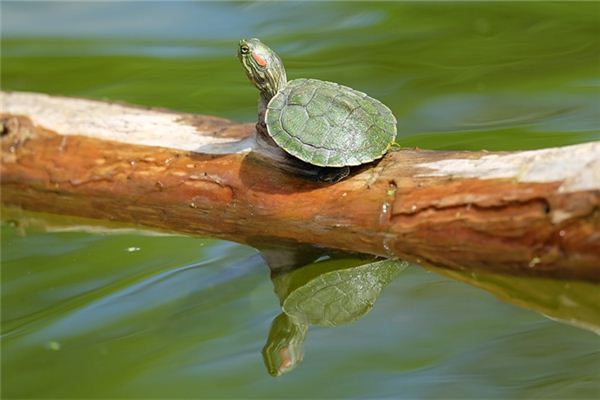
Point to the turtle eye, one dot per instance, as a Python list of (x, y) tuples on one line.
[(244, 49)]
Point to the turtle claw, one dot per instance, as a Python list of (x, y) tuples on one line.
[(333, 175)]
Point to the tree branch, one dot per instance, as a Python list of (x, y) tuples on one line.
[(532, 212)]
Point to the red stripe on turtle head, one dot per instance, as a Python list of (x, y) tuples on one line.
[(259, 59)]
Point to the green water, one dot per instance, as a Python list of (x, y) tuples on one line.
[(113, 313)]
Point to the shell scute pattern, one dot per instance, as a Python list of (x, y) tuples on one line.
[(318, 106), (318, 124), (370, 108), (359, 122), (336, 119), (294, 118), (301, 96), (327, 124), (277, 103), (347, 103)]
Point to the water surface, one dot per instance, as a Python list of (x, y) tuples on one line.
[(113, 313)]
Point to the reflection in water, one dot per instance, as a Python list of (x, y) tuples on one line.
[(284, 349), (337, 290), (575, 303), (183, 313), (327, 293)]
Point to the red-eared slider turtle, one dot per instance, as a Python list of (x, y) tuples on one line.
[(327, 293), (324, 124)]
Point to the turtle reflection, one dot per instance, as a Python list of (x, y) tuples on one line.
[(327, 293)]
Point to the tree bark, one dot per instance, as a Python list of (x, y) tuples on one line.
[(532, 212)]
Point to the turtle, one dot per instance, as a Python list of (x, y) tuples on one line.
[(326, 293), (326, 126)]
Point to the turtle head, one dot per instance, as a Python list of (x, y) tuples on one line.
[(284, 349), (263, 66)]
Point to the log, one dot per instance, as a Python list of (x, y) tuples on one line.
[(531, 212)]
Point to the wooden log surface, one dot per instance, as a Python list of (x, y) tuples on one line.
[(530, 212)]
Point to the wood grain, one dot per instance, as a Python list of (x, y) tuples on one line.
[(519, 213)]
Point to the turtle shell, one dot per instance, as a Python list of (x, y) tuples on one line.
[(329, 125)]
